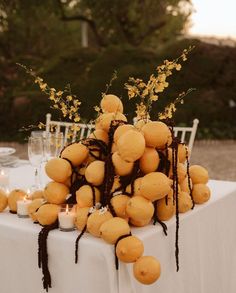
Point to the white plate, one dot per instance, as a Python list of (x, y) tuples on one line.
[(4, 151), (8, 161)]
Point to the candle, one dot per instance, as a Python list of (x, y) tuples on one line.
[(22, 207), (4, 178), (66, 219), (7, 191), (28, 193)]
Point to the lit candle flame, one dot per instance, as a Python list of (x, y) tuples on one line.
[(67, 209), (7, 191), (28, 192), (25, 197)]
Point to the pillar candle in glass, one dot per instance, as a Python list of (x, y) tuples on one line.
[(22, 207), (4, 178), (7, 190), (66, 218)]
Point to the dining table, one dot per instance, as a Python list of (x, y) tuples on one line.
[(207, 251)]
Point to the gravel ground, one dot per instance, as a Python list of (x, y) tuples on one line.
[(219, 157)]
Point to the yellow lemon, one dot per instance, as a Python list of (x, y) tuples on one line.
[(129, 249), (147, 269)]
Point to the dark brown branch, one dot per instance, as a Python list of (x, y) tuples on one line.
[(122, 21), (153, 28), (130, 37)]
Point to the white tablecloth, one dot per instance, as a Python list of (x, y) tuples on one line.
[(207, 252)]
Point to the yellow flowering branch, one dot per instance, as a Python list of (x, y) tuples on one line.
[(149, 92), (171, 108), (64, 101), (108, 85)]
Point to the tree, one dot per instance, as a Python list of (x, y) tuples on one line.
[(33, 29), (135, 22), (43, 28)]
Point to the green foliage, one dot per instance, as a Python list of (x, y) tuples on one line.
[(33, 31), (88, 71), (45, 37), (147, 22)]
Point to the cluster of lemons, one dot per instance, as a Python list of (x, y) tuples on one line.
[(140, 143), (131, 143)]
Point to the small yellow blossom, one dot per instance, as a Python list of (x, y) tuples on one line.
[(142, 84), (59, 93), (41, 125), (53, 128), (168, 112), (133, 91), (145, 92), (52, 97), (38, 80), (162, 78), (43, 86), (178, 67), (76, 103), (141, 111), (77, 119), (69, 98), (154, 98), (97, 109), (159, 88)]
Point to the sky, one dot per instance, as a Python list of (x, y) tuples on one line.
[(214, 18)]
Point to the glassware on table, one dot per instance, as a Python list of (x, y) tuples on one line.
[(53, 145), (36, 155), (42, 134), (38, 133), (66, 218), (4, 178)]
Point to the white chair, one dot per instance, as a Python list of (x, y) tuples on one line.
[(187, 134), (60, 126)]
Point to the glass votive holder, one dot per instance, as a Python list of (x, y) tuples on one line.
[(7, 190), (4, 178), (66, 218), (22, 207)]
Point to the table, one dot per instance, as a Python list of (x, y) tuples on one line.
[(207, 252)]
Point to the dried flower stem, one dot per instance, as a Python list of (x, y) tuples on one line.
[(148, 92), (63, 100), (170, 109)]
